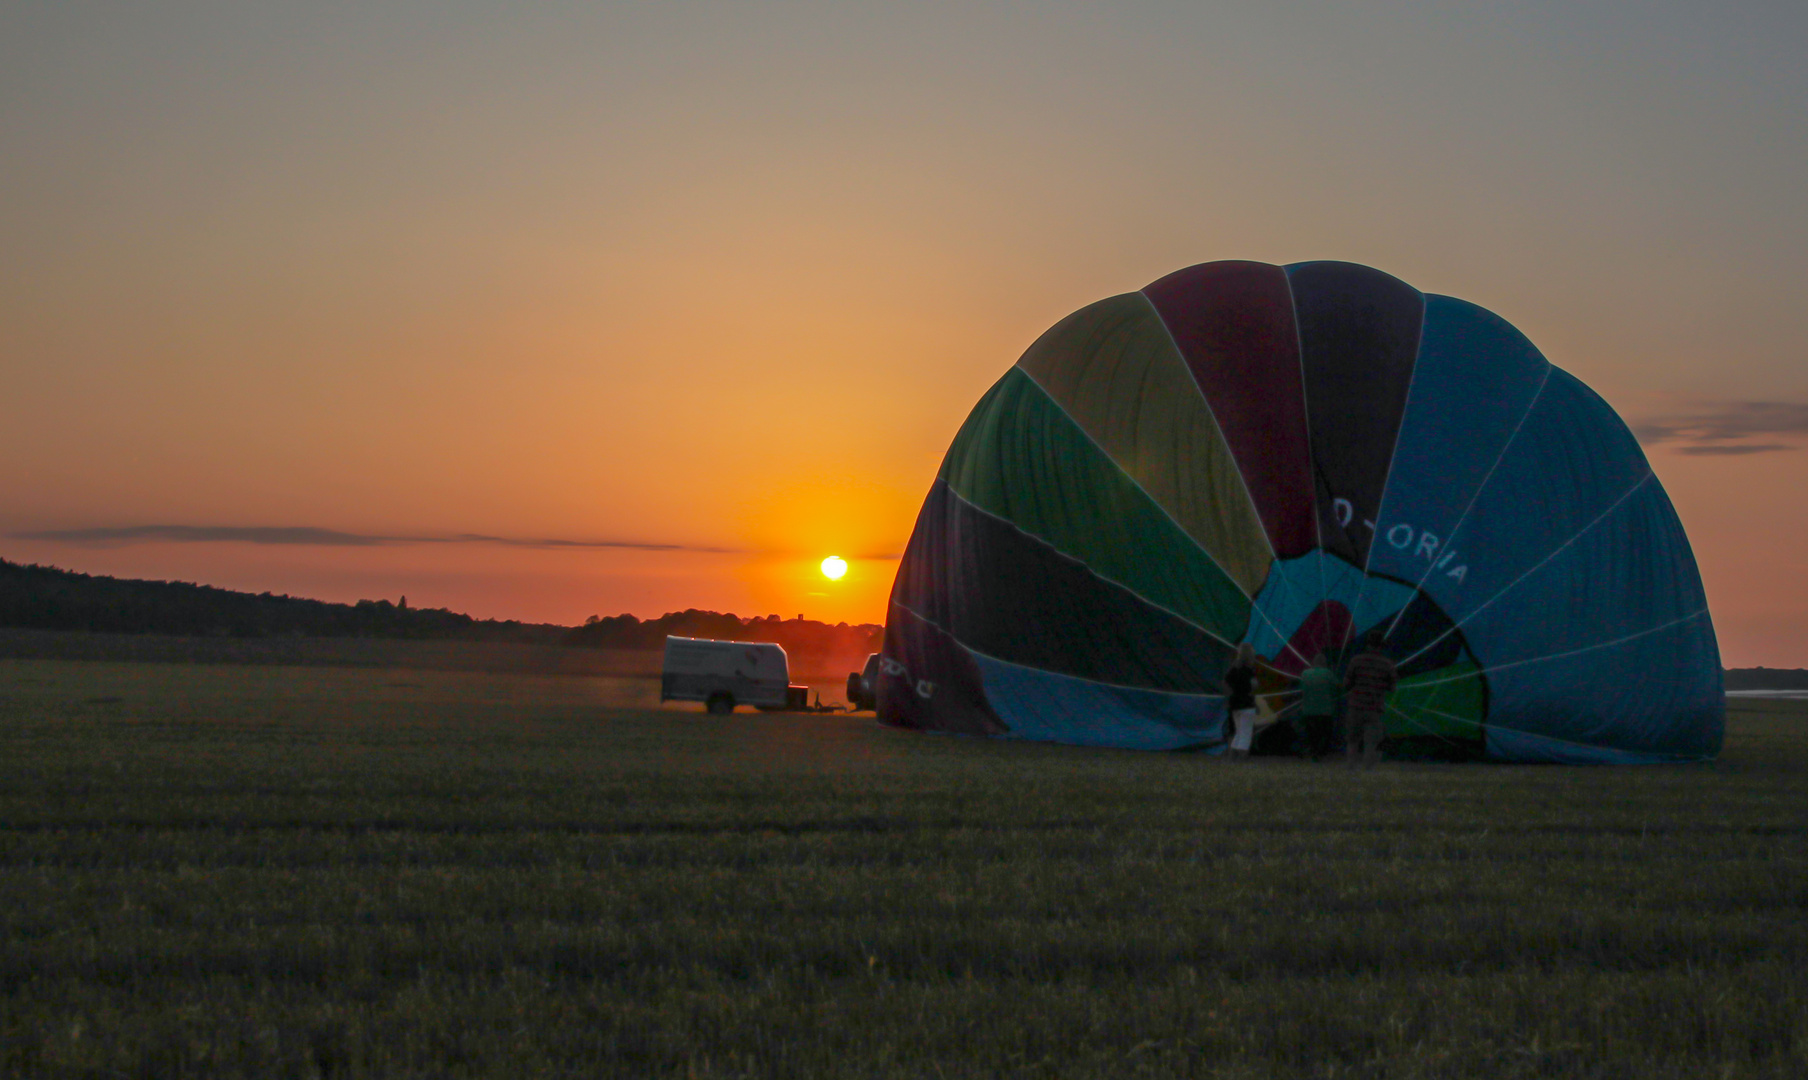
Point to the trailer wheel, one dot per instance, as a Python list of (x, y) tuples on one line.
[(720, 703)]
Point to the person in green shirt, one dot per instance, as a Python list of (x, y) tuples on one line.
[(1319, 689)]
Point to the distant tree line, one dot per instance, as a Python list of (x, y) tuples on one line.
[(1763, 678), (799, 636), (45, 598)]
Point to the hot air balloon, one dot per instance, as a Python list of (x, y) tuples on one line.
[(1293, 457)]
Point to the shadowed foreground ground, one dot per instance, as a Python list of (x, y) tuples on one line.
[(241, 871)]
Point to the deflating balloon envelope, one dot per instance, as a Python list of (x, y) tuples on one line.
[(1293, 457)]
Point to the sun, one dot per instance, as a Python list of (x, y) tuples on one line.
[(834, 568)]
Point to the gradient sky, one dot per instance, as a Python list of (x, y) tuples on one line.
[(718, 281)]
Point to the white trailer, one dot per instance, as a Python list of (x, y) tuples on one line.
[(723, 674)]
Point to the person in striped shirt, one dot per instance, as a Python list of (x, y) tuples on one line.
[(1368, 680)]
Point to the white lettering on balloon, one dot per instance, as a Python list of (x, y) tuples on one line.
[(1426, 545), (1406, 537), (923, 687)]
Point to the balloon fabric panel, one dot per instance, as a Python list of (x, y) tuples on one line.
[(1024, 460), (1295, 588), (1475, 380), (1233, 323), (1113, 368), (1359, 336), (1571, 463), (1609, 644), (1617, 578), (1048, 707), (1573, 580), (1447, 703), (1006, 594), (930, 681)]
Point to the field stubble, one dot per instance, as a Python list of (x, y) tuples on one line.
[(243, 871)]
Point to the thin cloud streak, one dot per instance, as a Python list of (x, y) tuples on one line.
[(308, 536), (1719, 428), (1731, 450)]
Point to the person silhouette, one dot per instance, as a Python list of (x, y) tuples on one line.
[(1368, 680), (1319, 690), (1240, 681)]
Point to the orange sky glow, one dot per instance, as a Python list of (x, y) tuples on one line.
[(681, 301)]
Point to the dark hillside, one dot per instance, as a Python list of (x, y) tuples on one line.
[(811, 646), (46, 598), (1763, 678), (798, 636), (42, 598)]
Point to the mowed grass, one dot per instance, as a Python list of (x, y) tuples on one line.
[(213, 871)]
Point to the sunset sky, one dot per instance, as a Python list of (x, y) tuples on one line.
[(555, 310)]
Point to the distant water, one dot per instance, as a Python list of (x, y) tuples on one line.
[(1791, 695)]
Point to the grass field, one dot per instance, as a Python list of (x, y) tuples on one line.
[(507, 657), (247, 871)]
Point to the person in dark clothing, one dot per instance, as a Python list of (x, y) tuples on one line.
[(1369, 679), (1240, 681)]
